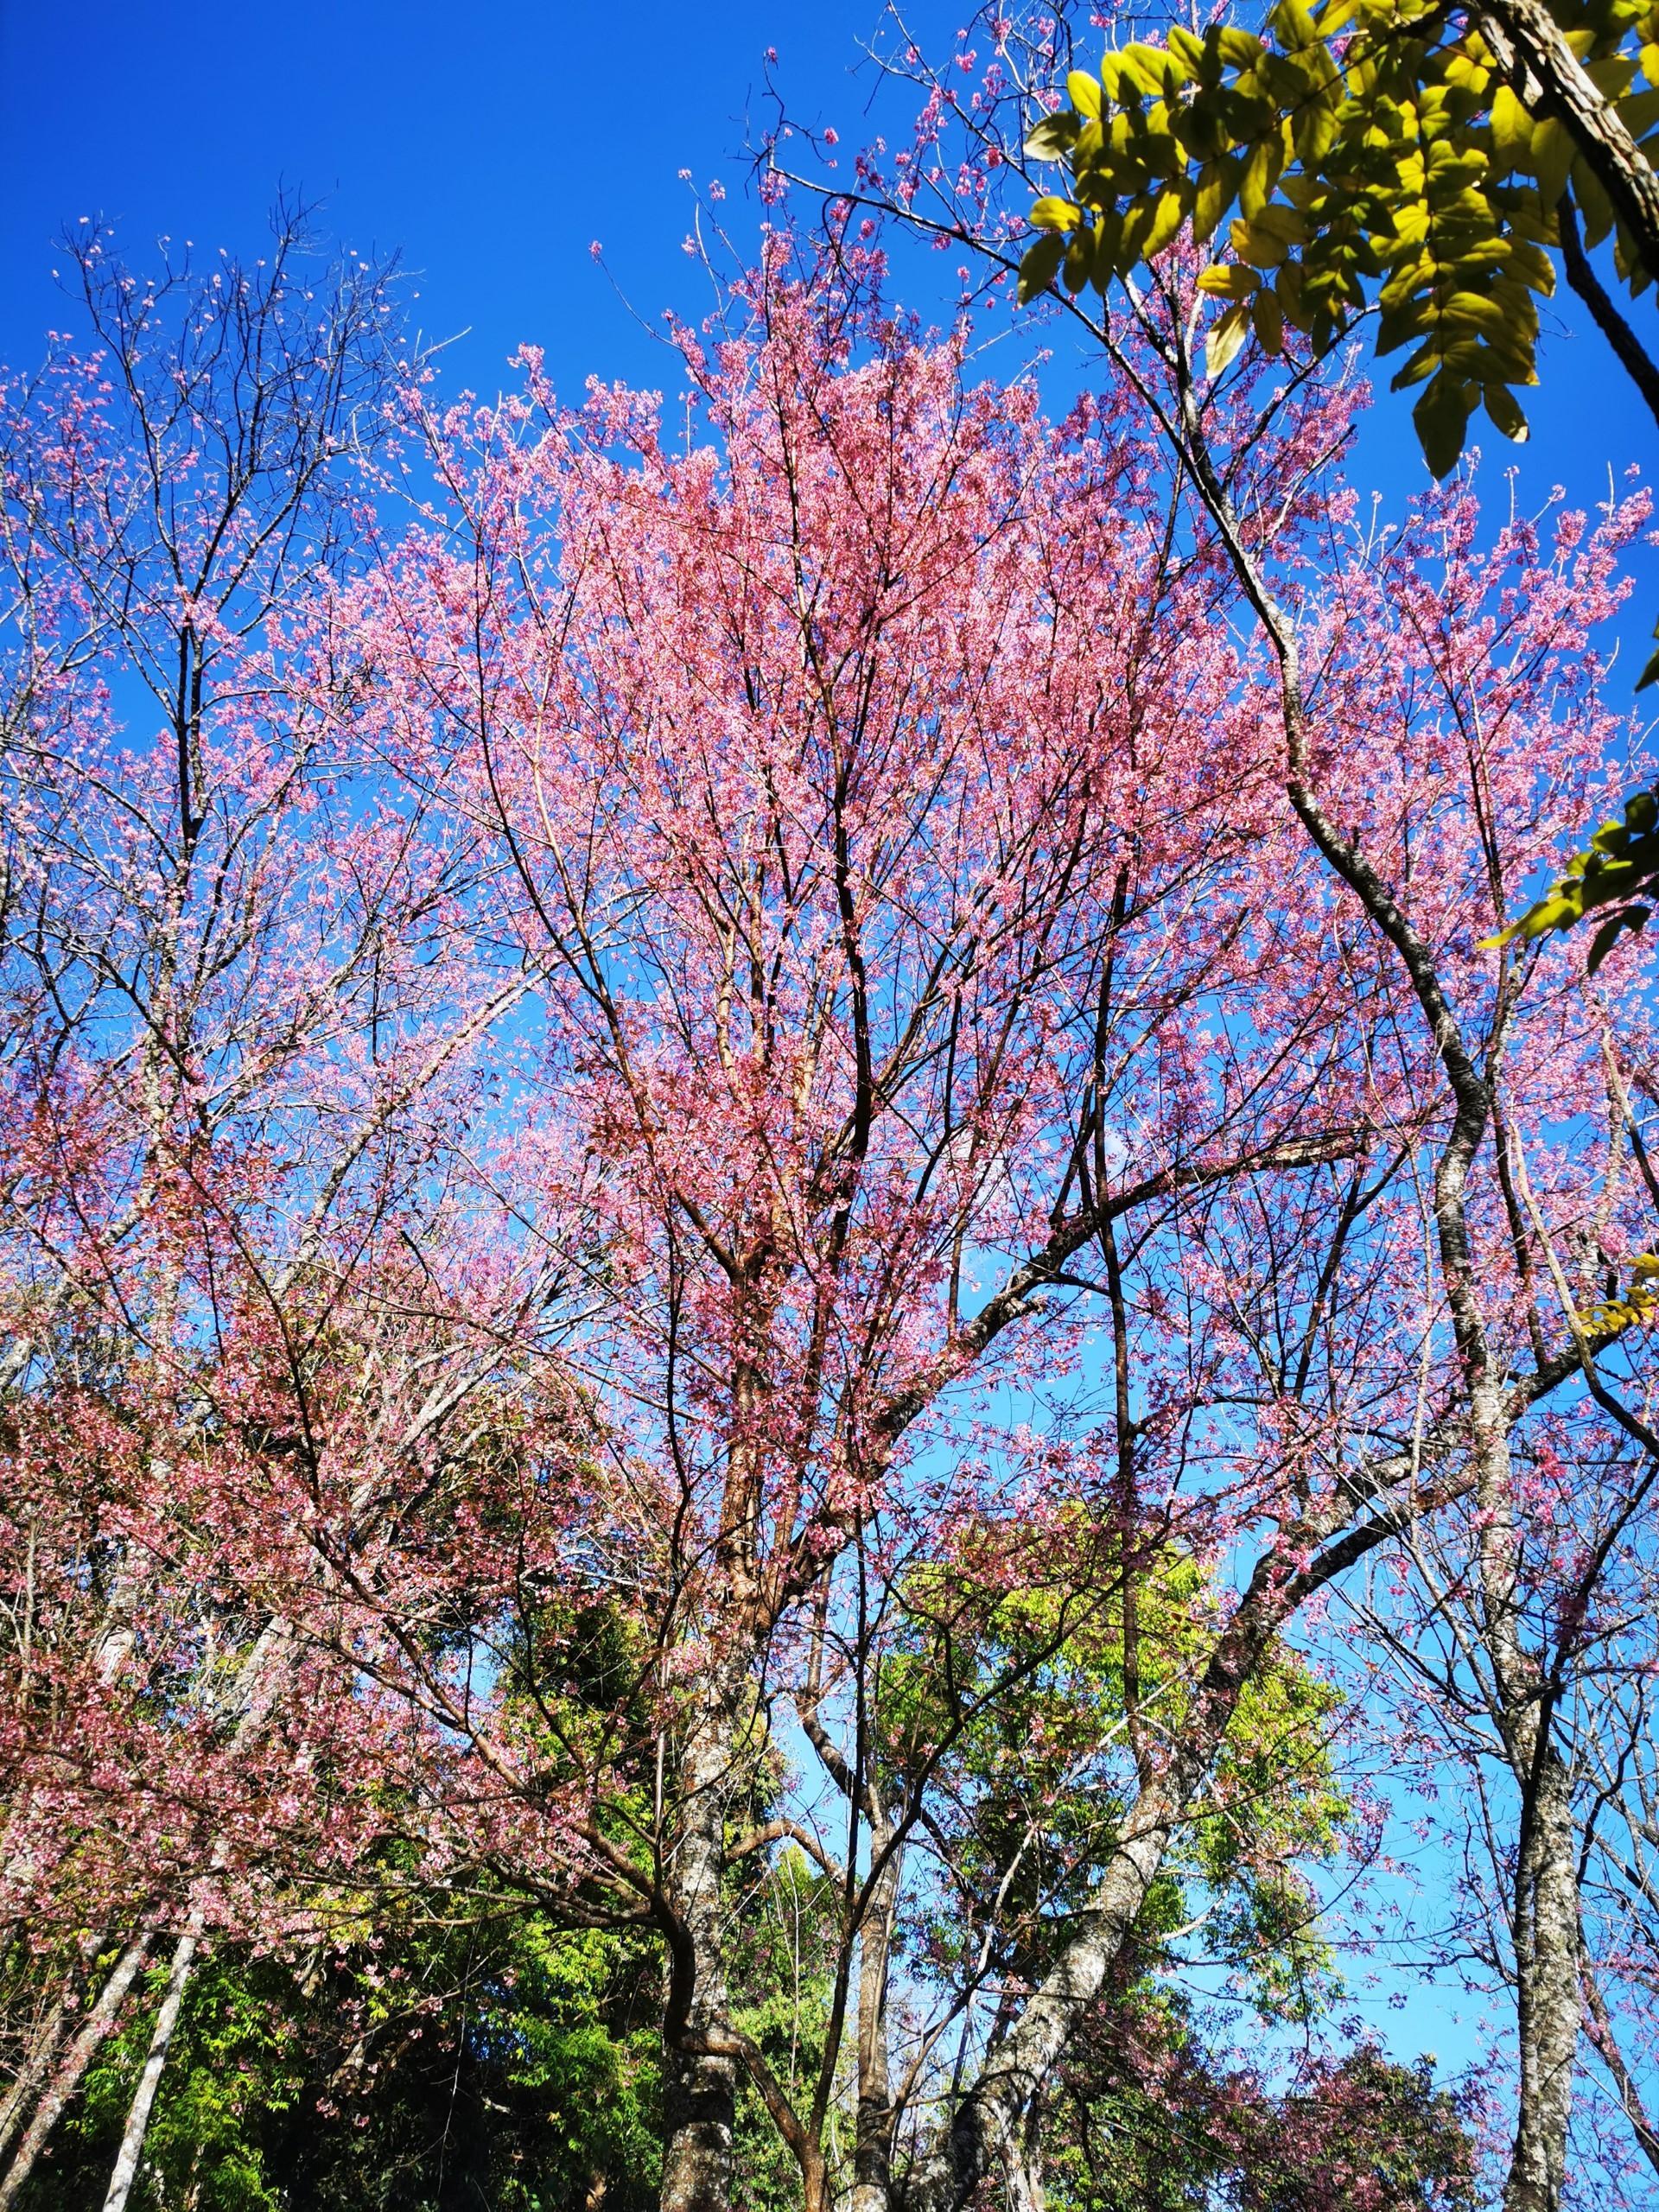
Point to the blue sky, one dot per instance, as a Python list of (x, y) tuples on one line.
[(489, 142), (492, 144)]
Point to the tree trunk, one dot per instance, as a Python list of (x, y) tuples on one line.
[(95, 2031), (873, 2138), (1601, 2031), (1548, 1999), (700, 2091), (131, 2152), (1549, 79), (1025, 2191), (986, 2133), (47, 2041), (1545, 1918)]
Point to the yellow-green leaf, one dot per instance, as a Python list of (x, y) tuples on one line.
[(1502, 407), (1040, 266), (1167, 220), (1441, 416), (1228, 280), (1227, 334), (1212, 198), (1261, 173), (1270, 321), (1082, 89), (1511, 128)]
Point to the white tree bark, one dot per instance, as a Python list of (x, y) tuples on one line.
[(131, 2155)]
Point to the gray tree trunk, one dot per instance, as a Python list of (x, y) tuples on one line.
[(1549, 1999), (47, 2041), (986, 2133), (700, 2094), (1025, 2190), (1545, 1917), (873, 2135)]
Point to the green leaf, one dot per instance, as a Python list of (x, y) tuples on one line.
[(1262, 174), (1240, 49), (1051, 213), (1477, 308), (1639, 113), (1294, 26), (1504, 410), (1512, 129), (1185, 47), (1052, 138), (1594, 203), (1213, 198), (1608, 934), (1228, 280), (1441, 417), (1148, 67), (1278, 221), (1040, 266), (1252, 243), (1167, 218), (1268, 318), (1082, 89), (1550, 159)]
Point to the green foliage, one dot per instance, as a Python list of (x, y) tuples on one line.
[(511, 2066), (1018, 1691), (233, 2074), (1359, 152), (1365, 154), (1621, 861)]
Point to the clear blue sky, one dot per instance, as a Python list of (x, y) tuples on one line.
[(492, 143)]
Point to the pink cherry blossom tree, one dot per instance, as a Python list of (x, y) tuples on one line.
[(651, 672)]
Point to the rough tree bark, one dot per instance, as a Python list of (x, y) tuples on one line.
[(873, 2130), (1549, 79), (1548, 2007), (700, 2103)]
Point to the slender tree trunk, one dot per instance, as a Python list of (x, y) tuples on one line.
[(700, 2104), (1603, 2036), (33, 2068), (96, 2029), (1545, 73), (986, 2134), (873, 2138), (252, 1683), (1545, 1917), (1025, 2188), (130, 2154), (47, 2041)]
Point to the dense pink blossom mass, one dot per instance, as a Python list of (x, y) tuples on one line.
[(704, 1096)]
